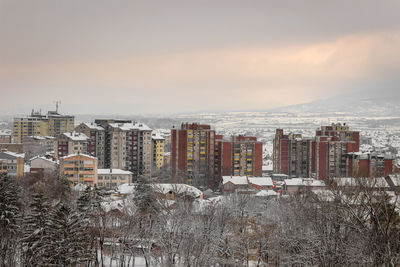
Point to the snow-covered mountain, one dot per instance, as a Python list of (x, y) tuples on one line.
[(380, 106)]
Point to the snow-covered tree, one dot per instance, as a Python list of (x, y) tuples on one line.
[(69, 239), (145, 199), (36, 233), (9, 221)]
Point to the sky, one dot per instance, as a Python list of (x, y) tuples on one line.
[(162, 57)]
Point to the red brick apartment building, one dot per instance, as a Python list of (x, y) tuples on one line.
[(192, 154), (369, 165), (201, 157), (324, 156)]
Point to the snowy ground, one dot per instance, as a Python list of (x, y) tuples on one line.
[(109, 262)]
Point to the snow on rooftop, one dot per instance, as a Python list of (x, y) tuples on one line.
[(157, 137), (17, 155), (267, 167), (93, 125), (237, 180), (244, 180), (266, 193), (79, 187), (164, 189), (44, 158), (75, 136), (261, 181), (178, 189), (112, 171), (81, 154), (304, 181), (131, 126)]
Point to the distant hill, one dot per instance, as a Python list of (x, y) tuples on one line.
[(382, 106)]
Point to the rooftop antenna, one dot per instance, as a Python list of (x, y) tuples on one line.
[(57, 102)]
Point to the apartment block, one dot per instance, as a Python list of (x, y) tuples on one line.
[(158, 146), (369, 165), (201, 157), (44, 164), (192, 154), (12, 164), (79, 169), (323, 156), (12, 147), (292, 154), (128, 146), (332, 143), (30, 126), (38, 145), (52, 124), (96, 141), (59, 124), (71, 143), (238, 156), (112, 178), (5, 137)]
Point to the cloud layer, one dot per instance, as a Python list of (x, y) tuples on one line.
[(102, 57)]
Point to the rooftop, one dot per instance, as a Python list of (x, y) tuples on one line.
[(131, 126), (81, 154), (112, 171), (75, 136), (93, 126), (304, 182)]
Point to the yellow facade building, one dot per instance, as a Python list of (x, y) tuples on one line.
[(158, 143), (52, 124), (79, 169)]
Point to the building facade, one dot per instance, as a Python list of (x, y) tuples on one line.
[(323, 156), (12, 164), (96, 141), (79, 169), (52, 124), (192, 154), (5, 138), (201, 157), (293, 154), (71, 143), (112, 178), (240, 156), (369, 165), (128, 146), (158, 146), (38, 145)]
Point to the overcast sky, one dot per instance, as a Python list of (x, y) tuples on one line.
[(126, 57)]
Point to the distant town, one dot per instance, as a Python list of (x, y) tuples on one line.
[(107, 153)]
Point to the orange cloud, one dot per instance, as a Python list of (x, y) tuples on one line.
[(251, 75)]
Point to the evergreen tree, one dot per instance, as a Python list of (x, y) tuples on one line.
[(88, 207), (9, 221), (144, 198), (68, 239), (36, 233)]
